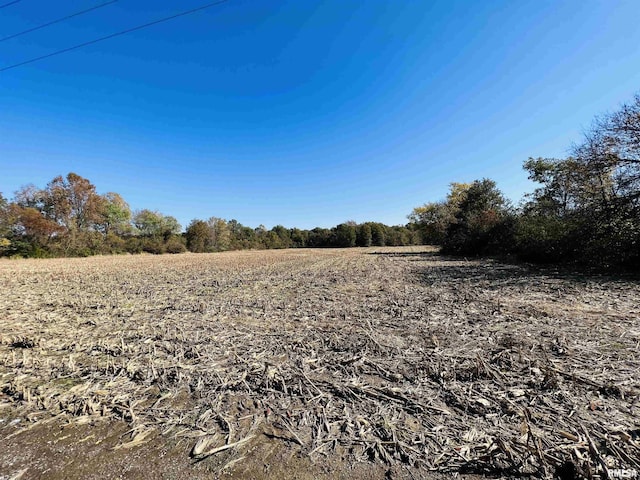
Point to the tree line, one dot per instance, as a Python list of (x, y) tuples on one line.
[(68, 217), (217, 234), (585, 210)]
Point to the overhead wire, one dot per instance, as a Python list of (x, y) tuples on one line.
[(53, 22), (113, 35), (10, 3)]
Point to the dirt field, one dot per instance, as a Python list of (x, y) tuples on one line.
[(358, 363)]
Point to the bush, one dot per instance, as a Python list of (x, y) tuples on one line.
[(114, 244), (544, 239), (133, 245), (153, 245), (175, 245)]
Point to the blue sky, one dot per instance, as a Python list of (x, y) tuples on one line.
[(307, 113)]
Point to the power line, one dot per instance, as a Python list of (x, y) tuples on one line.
[(113, 35), (57, 21), (10, 3)]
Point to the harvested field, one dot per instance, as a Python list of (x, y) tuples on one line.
[(395, 360)]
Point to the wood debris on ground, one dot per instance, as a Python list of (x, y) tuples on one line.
[(393, 355)]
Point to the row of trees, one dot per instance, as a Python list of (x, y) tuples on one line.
[(587, 208), (69, 218), (217, 234)]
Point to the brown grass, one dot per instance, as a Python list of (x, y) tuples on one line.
[(397, 356)]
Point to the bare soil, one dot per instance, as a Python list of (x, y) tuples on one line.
[(356, 363)]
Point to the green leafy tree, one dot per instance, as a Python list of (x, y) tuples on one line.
[(457, 194), (199, 237), (284, 236), (378, 235), (175, 244), (220, 233), (319, 237), (270, 239), (432, 221), (149, 223), (548, 226), (114, 214), (299, 238), (587, 208), (482, 222), (398, 235), (363, 235), (170, 226), (610, 157), (345, 235), (241, 237), (561, 191)]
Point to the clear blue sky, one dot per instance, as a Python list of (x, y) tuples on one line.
[(307, 113)]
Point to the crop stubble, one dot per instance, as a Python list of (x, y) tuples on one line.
[(398, 356)]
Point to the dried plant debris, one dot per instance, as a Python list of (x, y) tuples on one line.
[(398, 356)]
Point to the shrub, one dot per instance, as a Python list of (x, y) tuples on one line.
[(175, 245), (153, 245)]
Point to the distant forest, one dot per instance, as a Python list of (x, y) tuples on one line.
[(586, 210), (69, 218)]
